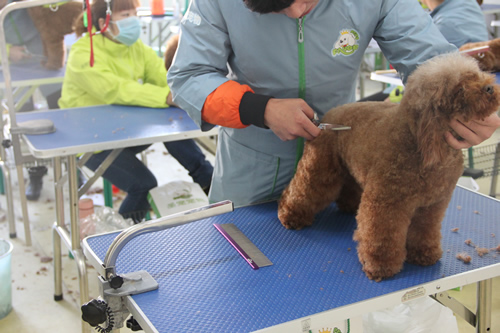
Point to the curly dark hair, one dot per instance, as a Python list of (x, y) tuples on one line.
[(267, 6)]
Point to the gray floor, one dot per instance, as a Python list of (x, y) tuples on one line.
[(34, 309)]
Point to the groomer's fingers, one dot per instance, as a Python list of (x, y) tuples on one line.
[(290, 119), (311, 130), (472, 132), (455, 143)]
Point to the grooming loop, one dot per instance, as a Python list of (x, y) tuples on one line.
[(114, 288)]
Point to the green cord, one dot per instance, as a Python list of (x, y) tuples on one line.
[(302, 81), (19, 37)]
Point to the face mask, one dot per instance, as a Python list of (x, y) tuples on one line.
[(129, 30)]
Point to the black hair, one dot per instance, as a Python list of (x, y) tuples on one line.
[(267, 6)]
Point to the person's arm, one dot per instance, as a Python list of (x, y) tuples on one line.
[(416, 40), (17, 53), (408, 37), (199, 84)]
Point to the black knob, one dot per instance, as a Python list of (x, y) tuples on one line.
[(133, 324), (94, 312), (116, 282)]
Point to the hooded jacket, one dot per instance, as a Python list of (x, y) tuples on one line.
[(125, 75)]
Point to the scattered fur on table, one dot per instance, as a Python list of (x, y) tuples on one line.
[(170, 49), (489, 60), (394, 167), (52, 25)]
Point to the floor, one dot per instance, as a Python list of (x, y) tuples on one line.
[(34, 309)]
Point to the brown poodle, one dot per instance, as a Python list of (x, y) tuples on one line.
[(170, 49), (393, 167), (52, 24), (489, 60)]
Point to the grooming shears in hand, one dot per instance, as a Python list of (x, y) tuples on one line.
[(327, 126)]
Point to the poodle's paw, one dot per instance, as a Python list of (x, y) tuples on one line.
[(378, 267), (292, 220), (378, 272), (424, 256), (51, 65)]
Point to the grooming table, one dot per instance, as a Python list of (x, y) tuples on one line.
[(24, 78), (315, 279), (32, 74), (90, 129)]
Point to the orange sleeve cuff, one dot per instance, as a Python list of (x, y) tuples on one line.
[(222, 105)]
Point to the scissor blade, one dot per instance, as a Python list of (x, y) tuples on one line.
[(333, 127)]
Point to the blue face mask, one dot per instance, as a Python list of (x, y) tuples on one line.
[(129, 30)]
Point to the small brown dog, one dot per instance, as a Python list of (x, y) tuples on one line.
[(53, 23), (394, 167), (170, 49), (489, 60)]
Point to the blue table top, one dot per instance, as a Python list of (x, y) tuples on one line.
[(205, 285), (88, 129), (32, 73), (489, 8)]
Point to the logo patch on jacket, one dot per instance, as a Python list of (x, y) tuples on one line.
[(346, 44)]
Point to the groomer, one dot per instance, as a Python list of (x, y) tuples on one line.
[(289, 59)]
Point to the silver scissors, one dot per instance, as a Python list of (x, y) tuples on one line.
[(328, 126)]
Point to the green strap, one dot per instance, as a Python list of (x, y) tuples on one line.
[(19, 37), (302, 81)]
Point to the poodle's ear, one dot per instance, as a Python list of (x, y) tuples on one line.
[(494, 53), (430, 136)]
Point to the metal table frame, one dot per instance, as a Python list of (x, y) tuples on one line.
[(14, 86), (169, 124)]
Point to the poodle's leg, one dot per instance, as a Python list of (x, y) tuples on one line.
[(383, 220), (316, 184), (423, 243), (350, 195), (55, 51)]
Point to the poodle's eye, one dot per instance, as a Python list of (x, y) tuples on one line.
[(489, 89)]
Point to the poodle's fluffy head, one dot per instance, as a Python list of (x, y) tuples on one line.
[(447, 87)]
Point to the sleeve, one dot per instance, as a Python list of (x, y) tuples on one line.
[(200, 65), (407, 36), (108, 87)]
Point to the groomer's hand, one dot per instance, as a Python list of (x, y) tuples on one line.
[(18, 53), (473, 132), (290, 119)]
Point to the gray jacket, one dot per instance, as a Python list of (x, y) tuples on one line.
[(267, 52)]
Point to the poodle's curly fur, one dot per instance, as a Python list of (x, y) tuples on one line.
[(394, 167), (489, 60), (170, 49), (52, 24)]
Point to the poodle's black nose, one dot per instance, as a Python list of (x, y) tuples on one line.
[(489, 89)]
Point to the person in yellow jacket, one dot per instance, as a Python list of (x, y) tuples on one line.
[(125, 72)]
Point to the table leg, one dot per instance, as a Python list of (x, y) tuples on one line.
[(9, 199), (75, 235), (24, 204), (483, 311), (72, 239), (56, 241)]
